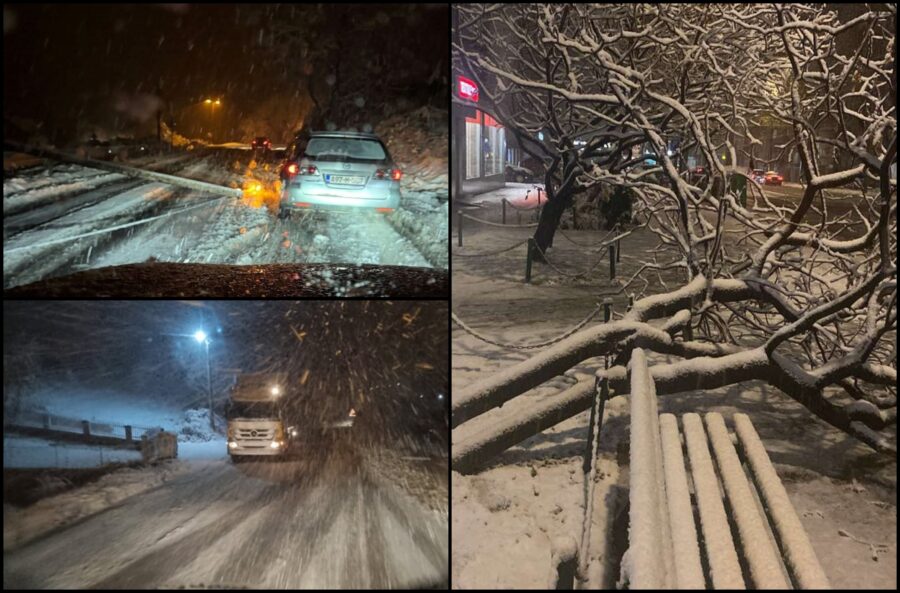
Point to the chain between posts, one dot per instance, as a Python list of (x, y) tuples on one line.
[(459, 322), (488, 253), (569, 274)]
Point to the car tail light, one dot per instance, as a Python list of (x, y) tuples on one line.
[(310, 170), (394, 174), (384, 210), (292, 169)]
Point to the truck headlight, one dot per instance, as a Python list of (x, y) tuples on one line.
[(275, 444), (232, 445)]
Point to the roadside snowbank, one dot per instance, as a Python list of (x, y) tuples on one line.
[(23, 525)]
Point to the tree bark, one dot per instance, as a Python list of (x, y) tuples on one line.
[(551, 213)]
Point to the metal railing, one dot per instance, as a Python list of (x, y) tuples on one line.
[(79, 426)]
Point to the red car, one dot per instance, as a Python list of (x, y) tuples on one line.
[(773, 178)]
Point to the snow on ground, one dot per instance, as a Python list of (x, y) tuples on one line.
[(45, 185), (505, 516), (318, 522), (418, 142), (23, 525)]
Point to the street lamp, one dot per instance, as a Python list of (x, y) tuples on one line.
[(201, 337), (213, 103)]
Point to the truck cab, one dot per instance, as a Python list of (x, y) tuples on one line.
[(256, 418)]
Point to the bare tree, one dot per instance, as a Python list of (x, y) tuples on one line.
[(800, 294)]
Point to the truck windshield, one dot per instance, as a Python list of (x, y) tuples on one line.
[(251, 410)]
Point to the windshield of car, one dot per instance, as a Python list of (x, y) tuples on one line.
[(90, 209), (345, 149)]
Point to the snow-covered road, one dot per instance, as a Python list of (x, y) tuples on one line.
[(329, 523), (64, 218)]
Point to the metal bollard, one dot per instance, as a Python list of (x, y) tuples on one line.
[(528, 258), (630, 302), (612, 262), (503, 204), (618, 250), (459, 225), (607, 312)]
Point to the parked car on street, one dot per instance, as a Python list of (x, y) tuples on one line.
[(519, 174), (340, 171), (758, 175)]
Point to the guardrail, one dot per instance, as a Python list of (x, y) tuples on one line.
[(47, 421)]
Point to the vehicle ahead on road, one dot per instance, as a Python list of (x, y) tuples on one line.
[(256, 417), (766, 177), (261, 144), (340, 171), (97, 149), (773, 178)]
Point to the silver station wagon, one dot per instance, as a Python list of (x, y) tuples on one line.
[(340, 171)]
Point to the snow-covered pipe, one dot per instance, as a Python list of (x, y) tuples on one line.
[(796, 548), (759, 548), (649, 563), (686, 550), (129, 171), (724, 568)]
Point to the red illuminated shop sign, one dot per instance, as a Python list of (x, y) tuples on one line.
[(467, 89)]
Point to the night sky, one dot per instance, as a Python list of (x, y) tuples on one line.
[(389, 359), (65, 65)]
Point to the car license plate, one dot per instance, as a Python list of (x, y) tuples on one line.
[(345, 179)]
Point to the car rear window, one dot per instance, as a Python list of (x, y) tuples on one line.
[(340, 149)]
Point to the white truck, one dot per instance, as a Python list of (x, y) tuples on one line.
[(256, 417)]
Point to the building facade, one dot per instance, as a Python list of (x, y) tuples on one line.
[(477, 140)]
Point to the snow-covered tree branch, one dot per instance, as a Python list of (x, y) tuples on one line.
[(798, 292)]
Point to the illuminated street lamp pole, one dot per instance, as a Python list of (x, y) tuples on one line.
[(200, 336), (213, 103)]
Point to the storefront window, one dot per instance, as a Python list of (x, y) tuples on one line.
[(494, 143), (473, 146)]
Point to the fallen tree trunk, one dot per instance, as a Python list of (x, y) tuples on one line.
[(500, 387), (472, 452), (128, 171)]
